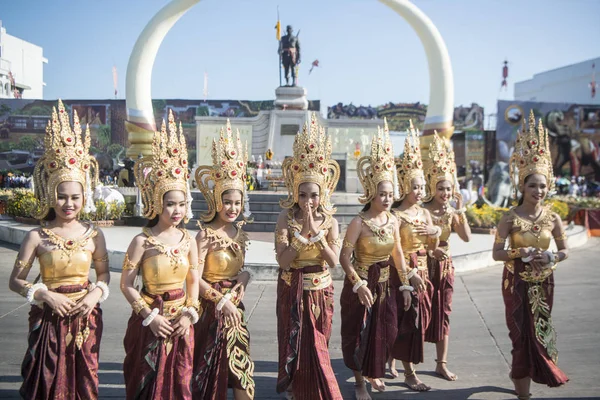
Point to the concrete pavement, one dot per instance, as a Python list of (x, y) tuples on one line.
[(479, 345)]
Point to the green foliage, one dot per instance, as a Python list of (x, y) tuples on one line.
[(114, 149), (484, 216), (104, 136), (37, 109), (4, 110), (202, 111), (191, 157), (26, 143), (22, 203)]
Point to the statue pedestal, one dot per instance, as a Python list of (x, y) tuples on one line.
[(290, 98)]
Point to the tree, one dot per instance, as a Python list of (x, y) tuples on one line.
[(26, 143), (104, 136), (114, 149)]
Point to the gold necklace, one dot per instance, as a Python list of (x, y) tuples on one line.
[(383, 232), (70, 246), (175, 253)]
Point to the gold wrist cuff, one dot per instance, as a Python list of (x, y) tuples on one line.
[(354, 278), (138, 305), (297, 244), (23, 292), (514, 253), (212, 295)]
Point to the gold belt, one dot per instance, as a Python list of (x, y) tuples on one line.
[(363, 272), (316, 280), (76, 296), (528, 275), (171, 308), (421, 262)]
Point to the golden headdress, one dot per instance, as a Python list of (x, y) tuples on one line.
[(227, 172), (440, 166), (411, 165), (66, 159), (165, 170), (379, 166), (531, 154), (311, 163)]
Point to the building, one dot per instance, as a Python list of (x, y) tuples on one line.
[(21, 68), (568, 84)]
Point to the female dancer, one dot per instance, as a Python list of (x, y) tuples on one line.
[(65, 321), (440, 174), (159, 338), (369, 309), (528, 280), (222, 353), (306, 242), (415, 230)]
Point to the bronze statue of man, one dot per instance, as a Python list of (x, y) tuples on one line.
[(289, 50)]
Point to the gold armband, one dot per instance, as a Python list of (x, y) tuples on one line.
[(347, 245), (138, 305), (514, 253), (212, 295), (562, 236), (498, 239), (354, 278), (194, 267), (297, 244), (104, 258), (462, 218), (128, 264), (281, 238), (23, 292), (335, 242), (22, 264)]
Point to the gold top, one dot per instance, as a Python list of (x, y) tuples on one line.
[(445, 222), (531, 154), (411, 165), (228, 259), (311, 163), (439, 167), (159, 275), (410, 241), (227, 172), (377, 248), (58, 270), (536, 233), (66, 159), (165, 170), (310, 254)]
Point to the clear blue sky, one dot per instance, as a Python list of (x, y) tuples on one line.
[(368, 54)]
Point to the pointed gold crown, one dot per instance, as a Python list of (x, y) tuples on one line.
[(377, 167), (440, 166), (410, 165), (531, 154), (165, 170), (227, 172), (311, 163), (66, 159)]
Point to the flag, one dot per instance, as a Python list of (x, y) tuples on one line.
[(205, 91), (115, 80), (314, 64), (278, 30)]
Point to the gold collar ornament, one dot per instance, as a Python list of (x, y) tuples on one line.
[(228, 172), (531, 155), (439, 167), (411, 165), (66, 159), (164, 171), (311, 162), (379, 166)]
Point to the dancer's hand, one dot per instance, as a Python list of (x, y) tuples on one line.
[(314, 227), (417, 282), (459, 200), (365, 296), (85, 306), (407, 297), (161, 327), (59, 303), (231, 314), (239, 290), (439, 254), (182, 325)]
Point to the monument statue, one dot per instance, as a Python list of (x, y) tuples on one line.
[(289, 53)]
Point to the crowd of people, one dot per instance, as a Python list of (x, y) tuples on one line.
[(187, 337), (12, 180)]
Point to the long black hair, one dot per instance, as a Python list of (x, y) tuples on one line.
[(524, 183)]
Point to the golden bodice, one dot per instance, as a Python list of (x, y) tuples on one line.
[(159, 274), (445, 222), (529, 233), (371, 249), (409, 240), (57, 269), (227, 260), (310, 255)]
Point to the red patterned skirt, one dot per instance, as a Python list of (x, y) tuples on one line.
[(304, 319), (412, 324), (152, 372), (441, 274), (53, 368), (368, 334), (533, 337), (222, 354)]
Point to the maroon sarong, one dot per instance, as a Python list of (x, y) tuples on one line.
[(368, 335), (52, 369), (412, 324), (213, 372), (441, 301), (530, 357), (304, 320), (149, 372)]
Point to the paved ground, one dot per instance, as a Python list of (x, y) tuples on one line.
[(479, 352)]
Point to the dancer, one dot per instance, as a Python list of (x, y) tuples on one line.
[(222, 353), (159, 341), (369, 309), (528, 279), (440, 172), (65, 320), (416, 229), (307, 242)]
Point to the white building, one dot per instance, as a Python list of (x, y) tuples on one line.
[(569, 84), (26, 63)]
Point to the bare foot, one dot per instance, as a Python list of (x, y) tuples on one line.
[(414, 383), (392, 368), (443, 371), (377, 384), (360, 390)]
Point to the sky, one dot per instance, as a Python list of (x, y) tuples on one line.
[(368, 54)]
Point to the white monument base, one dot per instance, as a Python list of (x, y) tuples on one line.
[(290, 98)]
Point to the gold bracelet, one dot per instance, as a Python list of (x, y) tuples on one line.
[(347, 245), (128, 265), (403, 278), (212, 295), (138, 305), (22, 264), (281, 238), (194, 303), (562, 236), (335, 242), (354, 278), (462, 218), (499, 239), (25, 289), (104, 258), (297, 245), (514, 253)]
